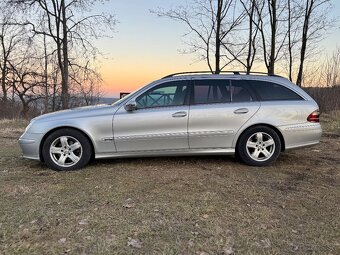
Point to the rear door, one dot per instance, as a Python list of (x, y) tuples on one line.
[(218, 109)]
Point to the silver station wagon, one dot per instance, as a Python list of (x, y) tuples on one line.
[(255, 117)]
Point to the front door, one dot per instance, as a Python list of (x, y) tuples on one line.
[(160, 121)]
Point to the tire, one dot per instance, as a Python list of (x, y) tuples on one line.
[(66, 150), (259, 146)]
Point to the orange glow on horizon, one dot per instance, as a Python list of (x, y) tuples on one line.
[(129, 75), (122, 77), (118, 79), (116, 82)]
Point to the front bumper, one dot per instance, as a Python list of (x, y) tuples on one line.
[(29, 144)]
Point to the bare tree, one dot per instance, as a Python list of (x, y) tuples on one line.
[(209, 24), (87, 81), (315, 22), (330, 70), (292, 29), (68, 29), (252, 30), (252, 34), (10, 40), (24, 78), (272, 8), (270, 14)]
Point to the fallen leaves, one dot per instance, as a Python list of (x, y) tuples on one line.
[(62, 240), (228, 250), (128, 203), (134, 243), (83, 222), (205, 216), (266, 243), (25, 234)]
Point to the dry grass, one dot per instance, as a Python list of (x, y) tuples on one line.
[(331, 123), (193, 205)]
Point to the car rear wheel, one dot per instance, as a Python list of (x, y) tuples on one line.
[(259, 146), (66, 150)]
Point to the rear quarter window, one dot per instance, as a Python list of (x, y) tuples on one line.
[(269, 91)]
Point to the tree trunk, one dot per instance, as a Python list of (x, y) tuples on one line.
[(304, 39), (64, 79), (218, 37), (45, 76), (3, 84), (54, 96), (290, 46), (24, 111), (25, 108), (3, 71), (273, 19), (250, 46)]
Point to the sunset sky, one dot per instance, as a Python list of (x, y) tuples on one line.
[(145, 47)]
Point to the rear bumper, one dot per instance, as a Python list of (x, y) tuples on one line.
[(301, 135), (29, 144)]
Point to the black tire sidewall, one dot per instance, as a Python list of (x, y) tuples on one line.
[(241, 149), (84, 141)]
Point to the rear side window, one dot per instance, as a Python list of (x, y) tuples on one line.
[(211, 91), (240, 92), (269, 91)]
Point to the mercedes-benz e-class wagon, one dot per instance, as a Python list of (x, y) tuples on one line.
[(255, 117)]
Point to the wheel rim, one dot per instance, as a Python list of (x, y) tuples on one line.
[(260, 146), (66, 151)]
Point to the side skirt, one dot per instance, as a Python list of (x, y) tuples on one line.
[(191, 152)]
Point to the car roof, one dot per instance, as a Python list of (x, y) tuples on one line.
[(273, 78), (270, 78)]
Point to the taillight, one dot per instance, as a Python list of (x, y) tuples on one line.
[(314, 116)]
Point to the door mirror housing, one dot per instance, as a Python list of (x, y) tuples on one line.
[(130, 106)]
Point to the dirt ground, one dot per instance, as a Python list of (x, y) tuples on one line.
[(188, 205)]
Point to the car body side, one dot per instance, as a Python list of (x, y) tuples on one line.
[(288, 118)]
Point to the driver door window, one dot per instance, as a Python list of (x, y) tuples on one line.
[(172, 94)]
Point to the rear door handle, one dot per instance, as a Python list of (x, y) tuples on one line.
[(241, 111), (179, 114)]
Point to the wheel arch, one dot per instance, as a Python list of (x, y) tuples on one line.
[(65, 127), (282, 140)]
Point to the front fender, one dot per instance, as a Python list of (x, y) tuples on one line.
[(97, 128)]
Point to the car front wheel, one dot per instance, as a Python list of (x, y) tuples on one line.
[(259, 146), (66, 150)]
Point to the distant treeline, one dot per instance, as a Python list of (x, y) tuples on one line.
[(13, 109), (328, 98)]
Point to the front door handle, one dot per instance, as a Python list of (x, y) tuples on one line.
[(241, 111), (179, 114)]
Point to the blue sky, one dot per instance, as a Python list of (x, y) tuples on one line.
[(146, 47)]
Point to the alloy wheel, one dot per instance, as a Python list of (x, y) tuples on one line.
[(66, 151), (260, 146)]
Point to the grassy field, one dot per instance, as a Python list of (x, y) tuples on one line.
[(192, 205)]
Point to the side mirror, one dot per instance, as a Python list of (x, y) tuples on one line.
[(130, 106)]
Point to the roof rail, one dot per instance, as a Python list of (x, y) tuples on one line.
[(221, 72)]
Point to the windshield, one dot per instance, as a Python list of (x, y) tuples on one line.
[(129, 95)]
